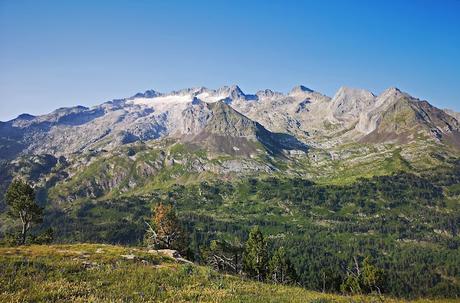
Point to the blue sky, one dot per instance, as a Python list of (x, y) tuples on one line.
[(64, 53)]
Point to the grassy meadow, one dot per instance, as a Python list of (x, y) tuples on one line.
[(108, 273)]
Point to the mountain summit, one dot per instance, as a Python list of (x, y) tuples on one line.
[(300, 89), (352, 115)]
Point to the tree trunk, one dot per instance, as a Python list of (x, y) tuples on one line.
[(23, 233), (324, 282), (236, 263)]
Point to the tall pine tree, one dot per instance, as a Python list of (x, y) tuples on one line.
[(255, 257), (20, 198), (281, 269)]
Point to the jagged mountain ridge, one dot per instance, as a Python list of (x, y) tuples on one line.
[(405, 119), (220, 128), (352, 115), (125, 144)]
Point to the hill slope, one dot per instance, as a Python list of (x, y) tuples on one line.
[(104, 273)]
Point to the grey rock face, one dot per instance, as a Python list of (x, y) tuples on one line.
[(452, 113), (349, 103), (190, 113)]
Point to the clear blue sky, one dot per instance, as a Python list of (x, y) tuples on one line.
[(64, 53)]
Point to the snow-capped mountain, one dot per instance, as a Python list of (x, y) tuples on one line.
[(352, 115)]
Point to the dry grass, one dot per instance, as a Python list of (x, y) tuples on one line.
[(106, 273)]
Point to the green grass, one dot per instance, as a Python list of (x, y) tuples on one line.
[(114, 175), (100, 273), (117, 214)]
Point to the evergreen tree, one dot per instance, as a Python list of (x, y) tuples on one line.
[(366, 280), (20, 198), (45, 237), (255, 257), (351, 284), (280, 268), (372, 277)]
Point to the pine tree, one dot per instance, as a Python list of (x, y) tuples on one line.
[(366, 280), (20, 198), (255, 257), (280, 267), (372, 277)]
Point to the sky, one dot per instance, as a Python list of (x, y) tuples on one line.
[(66, 53)]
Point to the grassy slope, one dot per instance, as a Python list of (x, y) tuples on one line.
[(343, 165), (99, 273), (235, 208)]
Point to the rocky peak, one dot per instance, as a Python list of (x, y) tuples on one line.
[(370, 119), (200, 89), (391, 94), (407, 117), (268, 93), (353, 93), (227, 121), (25, 117), (392, 90), (452, 113), (348, 103), (147, 94), (66, 110), (300, 89), (222, 112), (233, 92)]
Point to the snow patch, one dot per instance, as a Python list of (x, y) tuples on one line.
[(211, 98), (168, 100)]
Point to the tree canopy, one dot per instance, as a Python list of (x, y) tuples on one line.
[(164, 230), (255, 257), (20, 198)]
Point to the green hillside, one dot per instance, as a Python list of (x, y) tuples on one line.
[(398, 207), (393, 219), (106, 273)]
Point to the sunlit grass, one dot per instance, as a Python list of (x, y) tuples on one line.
[(107, 273)]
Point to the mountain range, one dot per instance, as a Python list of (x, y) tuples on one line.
[(229, 133), (309, 117)]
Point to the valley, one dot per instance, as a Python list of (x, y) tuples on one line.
[(334, 181)]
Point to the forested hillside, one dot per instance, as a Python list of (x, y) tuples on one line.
[(406, 224)]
